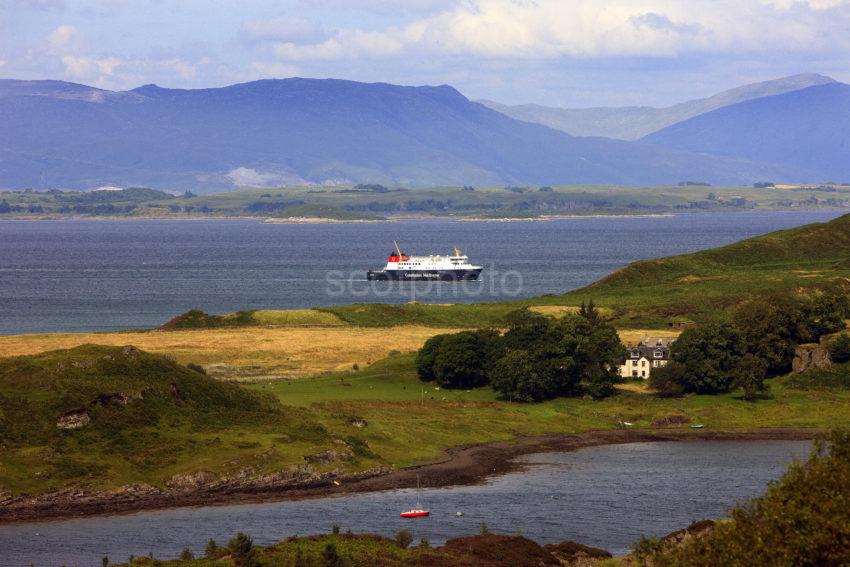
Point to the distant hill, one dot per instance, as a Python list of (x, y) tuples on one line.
[(634, 122), (807, 129), (278, 132)]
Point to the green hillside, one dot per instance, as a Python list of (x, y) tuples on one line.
[(110, 415), (700, 286)]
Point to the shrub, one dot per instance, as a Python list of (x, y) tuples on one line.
[(840, 348), (404, 538), (197, 368), (330, 556), (242, 551), (187, 555), (803, 519)]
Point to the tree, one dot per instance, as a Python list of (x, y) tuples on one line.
[(526, 329), (840, 348), (515, 378), (464, 359), (404, 538), (668, 380), (828, 312), (749, 373), (211, 549), (772, 329), (709, 354), (187, 554), (426, 356), (590, 312), (242, 550)]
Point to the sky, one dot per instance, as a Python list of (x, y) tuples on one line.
[(569, 53)]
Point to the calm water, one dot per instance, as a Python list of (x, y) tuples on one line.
[(106, 275), (603, 496)]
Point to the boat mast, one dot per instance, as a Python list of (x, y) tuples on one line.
[(397, 249)]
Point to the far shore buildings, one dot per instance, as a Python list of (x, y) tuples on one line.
[(651, 352)]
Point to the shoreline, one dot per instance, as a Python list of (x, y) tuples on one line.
[(398, 218), (458, 466)]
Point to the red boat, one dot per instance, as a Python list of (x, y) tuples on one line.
[(418, 511), (415, 513)]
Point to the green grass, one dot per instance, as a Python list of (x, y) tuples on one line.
[(176, 420), (405, 427)]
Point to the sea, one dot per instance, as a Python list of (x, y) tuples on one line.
[(103, 275), (605, 497)]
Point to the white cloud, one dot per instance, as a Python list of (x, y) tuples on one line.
[(184, 69), (249, 177), (64, 37), (83, 68), (540, 29)]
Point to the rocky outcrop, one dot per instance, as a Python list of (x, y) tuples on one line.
[(811, 356), (330, 456), (74, 419), (573, 554), (201, 487)]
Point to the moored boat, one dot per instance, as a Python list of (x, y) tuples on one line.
[(417, 511)]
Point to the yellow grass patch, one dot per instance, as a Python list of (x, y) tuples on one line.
[(561, 310), (696, 279), (631, 337), (293, 317), (249, 353)]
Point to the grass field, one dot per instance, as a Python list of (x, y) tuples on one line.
[(406, 422), (249, 353), (410, 422)]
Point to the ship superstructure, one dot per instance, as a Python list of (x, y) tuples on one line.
[(400, 266)]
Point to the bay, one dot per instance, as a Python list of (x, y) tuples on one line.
[(102, 275), (607, 496)]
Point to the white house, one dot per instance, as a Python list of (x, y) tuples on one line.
[(650, 353)]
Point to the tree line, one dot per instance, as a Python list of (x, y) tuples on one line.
[(757, 341), (536, 359)]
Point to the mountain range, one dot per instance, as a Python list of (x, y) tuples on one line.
[(55, 134), (635, 122)]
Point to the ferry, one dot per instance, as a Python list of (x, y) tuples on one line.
[(400, 266)]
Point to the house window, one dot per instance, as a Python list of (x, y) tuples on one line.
[(658, 354), (634, 373), (643, 373), (643, 363)]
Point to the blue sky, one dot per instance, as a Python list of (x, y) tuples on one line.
[(574, 53)]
